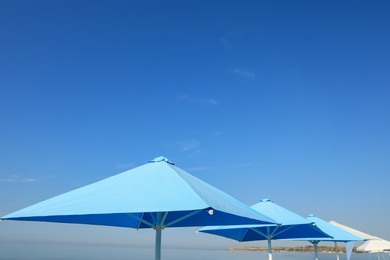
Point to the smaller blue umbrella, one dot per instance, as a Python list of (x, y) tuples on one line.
[(337, 234), (292, 226), (155, 195)]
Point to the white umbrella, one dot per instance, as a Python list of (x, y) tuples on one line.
[(375, 246)]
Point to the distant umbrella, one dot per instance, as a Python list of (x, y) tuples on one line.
[(155, 195), (292, 226), (337, 234), (375, 246), (356, 232)]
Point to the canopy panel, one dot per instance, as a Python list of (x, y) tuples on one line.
[(292, 226), (337, 234), (136, 198)]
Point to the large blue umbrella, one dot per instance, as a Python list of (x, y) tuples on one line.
[(337, 234), (155, 195), (292, 226)]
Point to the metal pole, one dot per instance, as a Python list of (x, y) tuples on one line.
[(158, 244), (158, 227), (337, 251), (269, 249), (315, 250)]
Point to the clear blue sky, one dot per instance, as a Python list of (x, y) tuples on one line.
[(288, 100)]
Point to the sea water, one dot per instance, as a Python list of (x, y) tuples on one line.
[(66, 251)]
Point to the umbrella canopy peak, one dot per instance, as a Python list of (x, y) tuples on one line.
[(161, 159)]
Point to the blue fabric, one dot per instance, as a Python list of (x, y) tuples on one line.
[(133, 199), (292, 226), (337, 234)]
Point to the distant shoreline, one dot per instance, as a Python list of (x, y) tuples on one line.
[(300, 249)]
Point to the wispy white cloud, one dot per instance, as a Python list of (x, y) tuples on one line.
[(250, 75), (189, 145), (295, 71), (218, 133), (210, 101), (225, 40), (198, 100), (229, 37), (17, 179), (183, 97)]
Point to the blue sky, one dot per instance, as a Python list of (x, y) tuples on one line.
[(287, 100)]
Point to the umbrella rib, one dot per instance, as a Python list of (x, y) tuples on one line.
[(282, 231), (152, 216), (139, 223), (259, 232), (277, 228), (164, 218), (141, 220), (184, 217), (246, 232)]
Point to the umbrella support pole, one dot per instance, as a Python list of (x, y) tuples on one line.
[(337, 251), (269, 249), (158, 245), (315, 250)]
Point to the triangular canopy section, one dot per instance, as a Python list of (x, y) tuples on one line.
[(155, 195), (291, 226), (136, 197), (337, 235)]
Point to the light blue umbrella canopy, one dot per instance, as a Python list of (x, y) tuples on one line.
[(291, 226), (337, 234), (155, 195)]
